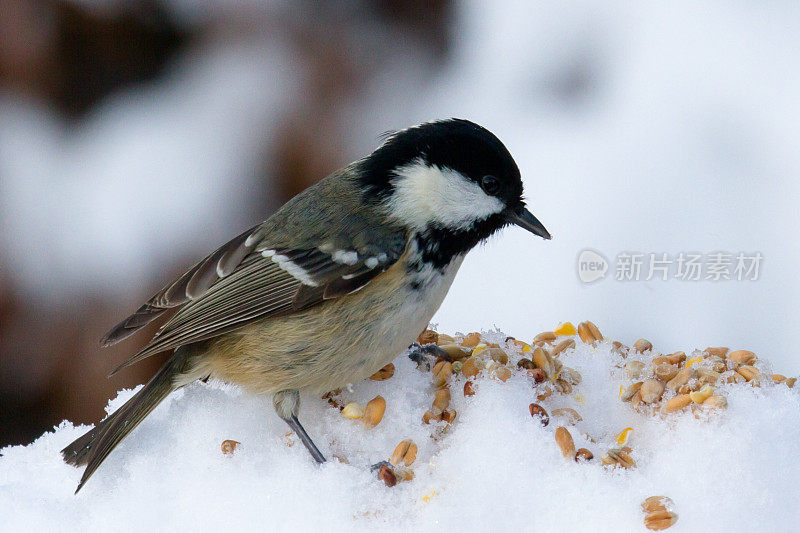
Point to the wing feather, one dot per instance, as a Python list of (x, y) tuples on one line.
[(266, 282), (190, 285)]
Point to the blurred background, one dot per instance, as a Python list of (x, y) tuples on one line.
[(137, 135)]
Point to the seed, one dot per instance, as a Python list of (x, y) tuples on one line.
[(716, 401), (634, 369), (478, 349), (442, 358), (623, 437), (583, 455), (545, 337), (571, 376), (399, 452), (777, 378), (743, 357), (469, 389), (718, 366), (374, 411), (229, 446), (566, 344), (719, 352), (636, 399), (735, 378), (456, 351), (444, 339), (387, 475), (457, 365), (595, 332), (353, 411), (628, 393), (570, 415), (660, 520), (565, 329), (666, 371), (537, 374), (405, 452), (642, 345), (702, 395), (540, 412), (448, 416), (439, 367), (619, 348), (502, 374), (618, 457), (542, 360), (497, 354), (430, 416), (790, 382), (677, 403), (565, 442), (589, 333), (651, 390), (657, 503), (675, 358), (472, 366), (527, 364), (442, 372), (693, 360), (428, 337), (384, 373), (708, 376), (562, 386), (442, 400), (682, 378), (545, 395), (521, 346), (471, 340), (748, 372)]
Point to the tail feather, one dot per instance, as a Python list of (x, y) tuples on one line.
[(93, 447)]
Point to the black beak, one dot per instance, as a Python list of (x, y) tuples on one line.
[(524, 219)]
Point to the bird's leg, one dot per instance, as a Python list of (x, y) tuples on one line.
[(286, 404)]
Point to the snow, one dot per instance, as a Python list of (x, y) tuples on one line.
[(678, 134), (494, 466)]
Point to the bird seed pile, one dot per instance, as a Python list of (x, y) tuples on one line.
[(651, 383)]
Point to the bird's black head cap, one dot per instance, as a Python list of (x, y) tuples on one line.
[(455, 143)]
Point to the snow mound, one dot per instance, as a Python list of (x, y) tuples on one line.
[(494, 466)]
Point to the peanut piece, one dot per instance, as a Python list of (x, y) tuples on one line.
[(373, 413)]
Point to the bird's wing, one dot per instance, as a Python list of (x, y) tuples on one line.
[(251, 277), (190, 285)]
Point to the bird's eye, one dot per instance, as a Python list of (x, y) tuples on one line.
[(490, 184)]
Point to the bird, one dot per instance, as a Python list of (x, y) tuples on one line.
[(331, 287)]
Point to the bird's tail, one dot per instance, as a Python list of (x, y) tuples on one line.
[(92, 448)]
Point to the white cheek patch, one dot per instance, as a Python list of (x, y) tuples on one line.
[(424, 194)]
